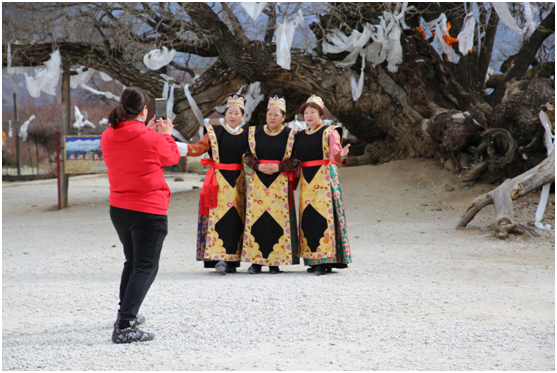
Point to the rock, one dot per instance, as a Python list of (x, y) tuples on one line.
[(449, 188), (178, 179)]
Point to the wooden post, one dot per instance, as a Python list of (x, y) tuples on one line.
[(17, 126), (65, 129)]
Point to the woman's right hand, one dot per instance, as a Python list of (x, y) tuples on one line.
[(165, 126)]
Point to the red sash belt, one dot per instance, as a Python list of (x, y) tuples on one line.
[(319, 162), (209, 193), (290, 174)]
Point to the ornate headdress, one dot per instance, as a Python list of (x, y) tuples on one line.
[(278, 102), (316, 100), (235, 100)]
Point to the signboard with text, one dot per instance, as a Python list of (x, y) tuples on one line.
[(83, 155)]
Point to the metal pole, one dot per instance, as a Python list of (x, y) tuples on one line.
[(65, 129), (17, 126)]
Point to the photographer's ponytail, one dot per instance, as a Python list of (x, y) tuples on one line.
[(131, 104)]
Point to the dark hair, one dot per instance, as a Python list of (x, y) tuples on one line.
[(132, 102), (279, 96), (241, 109), (314, 106)]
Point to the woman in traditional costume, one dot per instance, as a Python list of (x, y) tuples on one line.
[(323, 233), (222, 199), (270, 235)]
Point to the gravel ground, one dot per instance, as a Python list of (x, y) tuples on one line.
[(419, 296)]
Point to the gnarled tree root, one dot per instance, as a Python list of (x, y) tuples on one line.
[(504, 195)]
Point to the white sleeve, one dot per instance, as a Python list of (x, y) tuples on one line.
[(183, 148)]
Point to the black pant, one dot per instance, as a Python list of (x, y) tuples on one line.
[(142, 235)]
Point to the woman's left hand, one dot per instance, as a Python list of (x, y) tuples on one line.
[(344, 152)]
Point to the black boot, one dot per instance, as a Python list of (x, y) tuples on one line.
[(311, 269), (254, 269), (320, 270), (274, 270)]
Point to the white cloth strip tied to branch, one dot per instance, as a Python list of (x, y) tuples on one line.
[(254, 9), (252, 98), (13, 70), (284, 37), (466, 35), (357, 88), (108, 95), (105, 77), (47, 79), (440, 26), (157, 58), (82, 77), (79, 120), (25, 127), (506, 17), (10, 129), (196, 111), (394, 50), (549, 139), (168, 95)]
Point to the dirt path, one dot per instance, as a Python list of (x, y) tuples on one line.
[(419, 296)]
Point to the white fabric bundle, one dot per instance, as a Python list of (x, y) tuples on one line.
[(284, 37), (466, 35), (25, 127), (156, 58), (549, 144), (79, 120), (103, 122), (108, 95), (83, 76), (254, 9), (47, 79), (252, 98)]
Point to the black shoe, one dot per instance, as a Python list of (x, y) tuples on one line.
[(139, 319), (311, 269), (220, 267), (328, 268), (274, 270), (131, 334), (229, 269), (254, 269), (320, 270)]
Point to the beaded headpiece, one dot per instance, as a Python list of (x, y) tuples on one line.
[(316, 100), (278, 102), (235, 100)]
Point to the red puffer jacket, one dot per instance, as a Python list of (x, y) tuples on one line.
[(135, 156)]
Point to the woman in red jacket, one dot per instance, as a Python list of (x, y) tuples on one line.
[(135, 155)]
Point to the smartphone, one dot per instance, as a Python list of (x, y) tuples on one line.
[(160, 108)]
